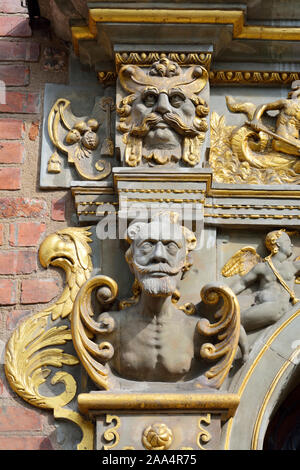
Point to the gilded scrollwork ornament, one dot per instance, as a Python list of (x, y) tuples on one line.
[(34, 347), (87, 141)]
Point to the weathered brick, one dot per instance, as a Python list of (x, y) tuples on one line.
[(18, 262), (12, 6), (11, 129), (14, 26), (1, 234), (15, 51), (8, 292), (13, 318), (58, 210), (25, 443), (17, 418), (26, 233), (22, 207), (14, 75), (21, 102), (35, 291), (12, 152), (34, 130), (10, 178)]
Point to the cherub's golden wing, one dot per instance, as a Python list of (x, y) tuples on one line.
[(241, 262)]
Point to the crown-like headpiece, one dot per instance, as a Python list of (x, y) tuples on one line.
[(164, 74)]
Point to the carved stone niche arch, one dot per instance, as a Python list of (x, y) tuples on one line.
[(271, 372), (283, 432)]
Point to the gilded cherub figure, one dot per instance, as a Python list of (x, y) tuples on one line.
[(275, 274)]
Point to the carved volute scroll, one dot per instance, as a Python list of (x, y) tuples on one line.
[(162, 113)]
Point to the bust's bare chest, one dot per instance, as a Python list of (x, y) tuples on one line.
[(159, 350)]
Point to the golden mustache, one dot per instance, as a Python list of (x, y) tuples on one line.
[(173, 120)]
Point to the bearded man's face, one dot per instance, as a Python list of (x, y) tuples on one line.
[(163, 119), (159, 256)]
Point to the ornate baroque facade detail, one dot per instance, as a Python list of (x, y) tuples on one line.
[(135, 360), (87, 141), (162, 117), (33, 349), (264, 149)]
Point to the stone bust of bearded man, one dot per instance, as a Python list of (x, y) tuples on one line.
[(162, 119), (153, 340)]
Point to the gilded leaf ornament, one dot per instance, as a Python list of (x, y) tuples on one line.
[(32, 349)]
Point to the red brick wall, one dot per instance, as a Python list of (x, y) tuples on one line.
[(27, 214)]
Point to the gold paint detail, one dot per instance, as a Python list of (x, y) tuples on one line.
[(145, 59), (203, 436), (253, 216), (227, 328), (293, 297), (32, 347), (86, 427), (91, 355), (157, 436), (234, 17), (79, 139), (241, 262), (254, 365), (112, 434), (107, 78), (226, 403), (261, 150), (219, 77), (155, 190), (168, 200), (256, 431), (222, 77), (28, 352), (80, 33), (68, 249), (164, 75)]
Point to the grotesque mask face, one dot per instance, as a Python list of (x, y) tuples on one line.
[(163, 113), (159, 254)]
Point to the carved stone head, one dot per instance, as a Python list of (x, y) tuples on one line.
[(163, 116), (279, 240), (159, 253)]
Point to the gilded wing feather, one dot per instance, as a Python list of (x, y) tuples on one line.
[(241, 262)]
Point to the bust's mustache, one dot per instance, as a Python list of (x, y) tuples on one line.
[(173, 121), (158, 267)]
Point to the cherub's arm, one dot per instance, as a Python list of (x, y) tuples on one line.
[(279, 104), (240, 283)]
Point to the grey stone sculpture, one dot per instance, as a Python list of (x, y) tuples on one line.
[(275, 275)]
